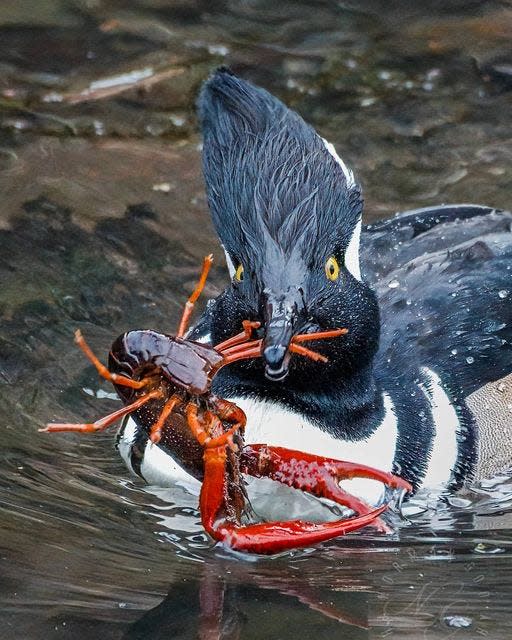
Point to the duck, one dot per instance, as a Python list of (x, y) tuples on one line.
[(421, 383)]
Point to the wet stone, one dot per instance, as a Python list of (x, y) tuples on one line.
[(458, 622)]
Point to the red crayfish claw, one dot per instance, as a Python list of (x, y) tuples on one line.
[(317, 475)]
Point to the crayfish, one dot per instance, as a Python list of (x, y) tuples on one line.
[(165, 381)]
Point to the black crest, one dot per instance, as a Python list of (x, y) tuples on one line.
[(271, 182)]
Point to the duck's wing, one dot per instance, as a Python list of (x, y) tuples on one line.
[(420, 220), (445, 293), (389, 244)]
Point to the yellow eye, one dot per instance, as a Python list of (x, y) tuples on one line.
[(332, 268), (239, 273)]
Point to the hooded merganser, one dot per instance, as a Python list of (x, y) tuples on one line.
[(421, 385)]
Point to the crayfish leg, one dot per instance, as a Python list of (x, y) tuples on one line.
[(213, 426), (230, 412), (115, 378), (155, 433), (189, 305), (239, 338), (307, 353), (102, 423), (319, 335), (213, 490)]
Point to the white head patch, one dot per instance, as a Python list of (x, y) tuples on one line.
[(229, 262), (352, 253), (349, 176)]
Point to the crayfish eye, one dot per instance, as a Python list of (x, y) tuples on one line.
[(239, 273), (332, 268)]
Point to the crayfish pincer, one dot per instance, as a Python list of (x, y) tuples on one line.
[(165, 382)]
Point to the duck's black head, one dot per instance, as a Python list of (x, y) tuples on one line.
[(288, 214)]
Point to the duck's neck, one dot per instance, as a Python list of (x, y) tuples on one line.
[(349, 408)]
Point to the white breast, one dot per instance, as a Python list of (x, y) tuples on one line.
[(446, 424), (157, 467), (272, 424)]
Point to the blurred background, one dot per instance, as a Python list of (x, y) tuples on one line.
[(103, 224)]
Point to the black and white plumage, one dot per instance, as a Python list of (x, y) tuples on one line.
[(429, 319)]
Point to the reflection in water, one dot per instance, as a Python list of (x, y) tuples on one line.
[(102, 224), (231, 601)]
